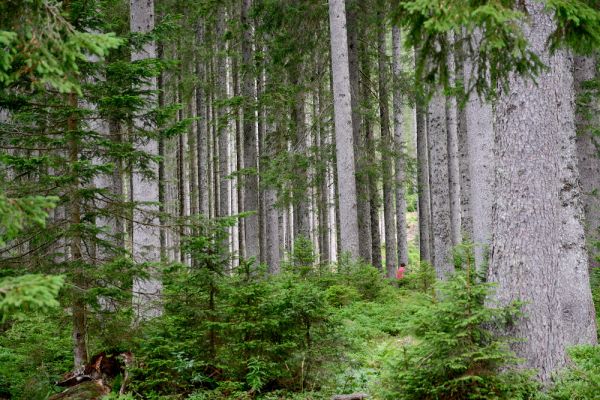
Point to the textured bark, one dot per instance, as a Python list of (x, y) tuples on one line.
[(453, 158), (391, 261), (466, 217), (301, 204), (202, 130), (480, 141), (538, 250), (78, 307), (360, 162), (588, 144), (439, 186), (251, 193), (346, 184), (423, 185), (373, 200), (222, 131), (399, 140), (146, 228)]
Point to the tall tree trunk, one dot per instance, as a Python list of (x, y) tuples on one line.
[(323, 200), (360, 162), (146, 227), (387, 147), (453, 157), (588, 147), (466, 216), (538, 250), (480, 141), (222, 129), (251, 193), (439, 185), (202, 129), (300, 146), (344, 126), (371, 165), (79, 280), (424, 199), (402, 240)]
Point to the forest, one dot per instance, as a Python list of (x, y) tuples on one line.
[(299, 199)]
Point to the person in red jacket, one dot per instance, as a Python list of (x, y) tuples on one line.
[(400, 271)]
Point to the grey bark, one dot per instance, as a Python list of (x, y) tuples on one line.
[(343, 130), (386, 162), (439, 186), (453, 156), (399, 139), (202, 130), (146, 227), (466, 218), (222, 131), (480, 141), (586, 120), (538, 250), (360, 160), (373, 202), (423, 185)]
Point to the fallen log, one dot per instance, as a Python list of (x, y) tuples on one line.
[(353, 396)]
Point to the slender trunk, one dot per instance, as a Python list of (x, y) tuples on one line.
[(202, 130), (79, 281), (588, 146), (344, 126), (251, 192), (399, 141), (466, 216), (360, 160), (423, 184), (386, 149), (453, 157), (538, 253)]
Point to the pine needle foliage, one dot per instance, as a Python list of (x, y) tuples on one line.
[(455, 351)]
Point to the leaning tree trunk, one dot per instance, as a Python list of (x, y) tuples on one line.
[(346, 180), (587, 119), (146, 227), (538, 250)]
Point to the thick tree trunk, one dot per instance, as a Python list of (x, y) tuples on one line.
[(402, 240), (439, 186), (146, 226), (387, 176), (346, 175), (538, 250), (588, 147)]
